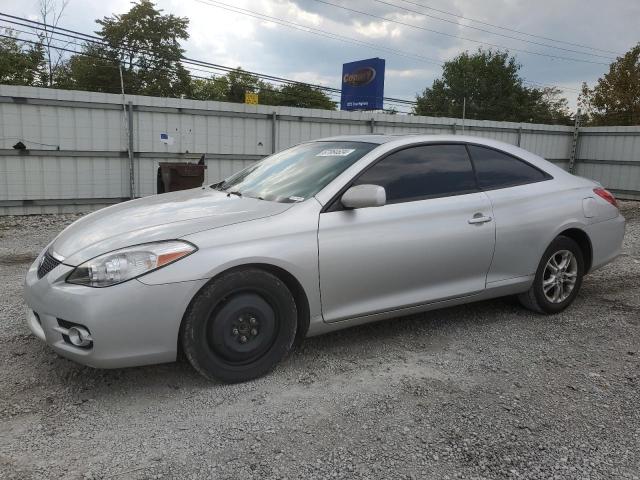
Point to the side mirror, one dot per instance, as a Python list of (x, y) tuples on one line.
[(364, 196)]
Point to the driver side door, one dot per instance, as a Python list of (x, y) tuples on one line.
[(432, 240)]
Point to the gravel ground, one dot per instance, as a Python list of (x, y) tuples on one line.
[(486, 390)]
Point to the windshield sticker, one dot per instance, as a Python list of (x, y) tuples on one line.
[(336, 152), (296, 199)]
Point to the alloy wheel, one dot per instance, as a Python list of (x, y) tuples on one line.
[(559, 276)]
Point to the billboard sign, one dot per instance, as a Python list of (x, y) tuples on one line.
[(362, 85)]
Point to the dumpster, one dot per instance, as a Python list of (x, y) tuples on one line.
[(179, 176)]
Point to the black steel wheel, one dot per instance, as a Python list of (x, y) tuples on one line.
[(239, 326)]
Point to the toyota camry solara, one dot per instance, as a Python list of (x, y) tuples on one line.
[(321, 236)]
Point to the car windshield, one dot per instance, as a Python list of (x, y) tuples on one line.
[(297, 173)]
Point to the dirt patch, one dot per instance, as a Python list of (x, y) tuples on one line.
[(17, 259)]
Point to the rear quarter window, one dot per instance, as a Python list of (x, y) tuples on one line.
[(496, 169)]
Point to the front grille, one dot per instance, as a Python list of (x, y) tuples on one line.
[(47, 264)]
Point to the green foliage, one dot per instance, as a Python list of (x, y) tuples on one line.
[(95, 71), (547, 105), (214, 88), (305, 96), (493, 90), (21, 64), (615, 99), (148, 43), (232, 87)]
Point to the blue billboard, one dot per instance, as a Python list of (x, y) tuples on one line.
[(362, 85)]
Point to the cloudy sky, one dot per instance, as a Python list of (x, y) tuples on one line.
[(414, 36)]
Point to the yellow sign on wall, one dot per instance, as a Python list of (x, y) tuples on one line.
[(251, 98)]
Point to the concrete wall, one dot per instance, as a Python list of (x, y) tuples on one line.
[(77, 143)]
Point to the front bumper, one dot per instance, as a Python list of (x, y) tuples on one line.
[(131, 323)]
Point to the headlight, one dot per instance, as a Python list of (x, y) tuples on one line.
[(122, 265)]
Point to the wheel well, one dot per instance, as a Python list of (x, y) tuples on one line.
[(299, 295), (584, 242)]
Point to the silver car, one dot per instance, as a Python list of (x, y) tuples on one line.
[(322, 236)]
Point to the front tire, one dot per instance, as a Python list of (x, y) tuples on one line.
[(239, 326), (558, 278)]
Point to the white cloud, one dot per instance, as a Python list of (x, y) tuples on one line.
[(408, 73), (379, 29), (313, 77)]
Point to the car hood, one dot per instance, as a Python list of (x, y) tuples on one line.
[(159, 217)]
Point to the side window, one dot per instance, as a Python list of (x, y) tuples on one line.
[(499, 170), (422, 172)]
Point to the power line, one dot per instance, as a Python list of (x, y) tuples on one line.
[(393, 102), (533, 82), (353, 10), (193, 62), (261, 16), (608, 57), (186, 61), (293, 25), (36, 27), (98, 41), (509, 29), (315, 31), (115, 67), (263, 87)]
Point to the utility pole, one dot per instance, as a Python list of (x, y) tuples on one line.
[(127, 116), (464, 111)]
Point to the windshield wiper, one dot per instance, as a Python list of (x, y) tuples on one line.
[(234, 192)]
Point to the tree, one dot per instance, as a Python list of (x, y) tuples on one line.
[(50, 14), (95, 70), (238, 82), (489, 83), (305, 96), (615, 99), (214, 88), (148, 45), (20, 64), (233, 86), (547, 105)]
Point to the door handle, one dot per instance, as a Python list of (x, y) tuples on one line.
[(479, 218)]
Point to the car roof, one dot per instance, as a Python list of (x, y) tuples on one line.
[(398, 141), (410, 139), (368, 138), (380, 138)]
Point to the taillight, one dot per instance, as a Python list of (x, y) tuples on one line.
[(607, 195)]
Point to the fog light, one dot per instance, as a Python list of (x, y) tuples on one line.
[(79, 337)]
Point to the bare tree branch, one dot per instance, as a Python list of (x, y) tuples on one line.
[(51, 12)]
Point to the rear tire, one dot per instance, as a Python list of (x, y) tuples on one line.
[(239, 326), (558, 278)]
